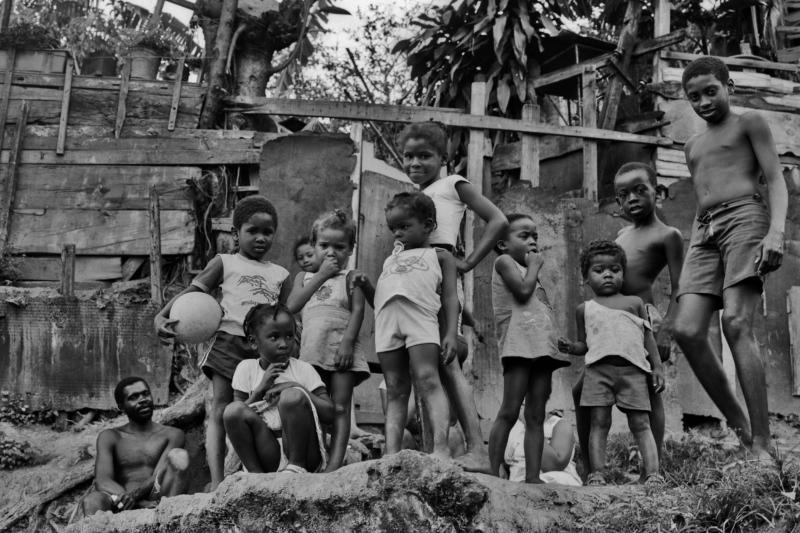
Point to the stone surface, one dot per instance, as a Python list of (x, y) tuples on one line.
[(407, 492)]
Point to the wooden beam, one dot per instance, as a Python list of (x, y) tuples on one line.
[(176, 96), (97, 83), (68, 270), (216, 75), (183, 3), (566, 73), (357, 135), (153, 158), (732, 61), (475, 155), (62, 123), (123, 96), (529, 163), (11, 180), (5, 20), (156, 295), (87, 268), (793, 316), (6, 95), (454, 117), (657, 43), (130, 266), (589, 97), (627, 39), (509, 156), (788, 30)]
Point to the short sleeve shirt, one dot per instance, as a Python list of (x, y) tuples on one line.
[(249, 374)]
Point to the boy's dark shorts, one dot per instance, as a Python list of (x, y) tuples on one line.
[(623, 386), (723, 248), (225, 354)]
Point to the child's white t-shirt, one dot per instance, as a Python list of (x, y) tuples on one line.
[(249, 374)]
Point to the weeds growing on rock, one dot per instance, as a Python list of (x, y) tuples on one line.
[(15, 410), (13, 454)]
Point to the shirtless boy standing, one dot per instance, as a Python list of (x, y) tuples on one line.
[(650, 245), (139, 463), (735, 242)]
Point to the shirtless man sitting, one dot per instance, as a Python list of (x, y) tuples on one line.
[(140, 462)]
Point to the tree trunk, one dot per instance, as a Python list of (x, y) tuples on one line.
[(216, 78), (252, 70)]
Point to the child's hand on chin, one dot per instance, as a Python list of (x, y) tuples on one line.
[(328, 268)]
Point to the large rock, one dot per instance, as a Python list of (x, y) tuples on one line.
[(407, 492)]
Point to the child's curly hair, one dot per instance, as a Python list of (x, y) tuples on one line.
[(336, 219), (706, 65), (601, 247), (433, 132), (247, 207), (513, 217), (416, 203), (259, 313), (630, 167)]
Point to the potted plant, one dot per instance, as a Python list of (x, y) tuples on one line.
[(147, 48), (93, 41), (37, 49)]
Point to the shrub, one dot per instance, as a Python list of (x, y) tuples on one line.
[(13, 454), (28, 36)]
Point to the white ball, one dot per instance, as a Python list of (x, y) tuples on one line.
[(198, 317)]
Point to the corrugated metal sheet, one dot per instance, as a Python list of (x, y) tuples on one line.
[(70, 353)]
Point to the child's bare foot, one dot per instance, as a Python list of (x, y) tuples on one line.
[(442, 456), (357, 433), (535, 481), (475, 461)]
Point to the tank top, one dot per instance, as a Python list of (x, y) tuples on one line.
[(614, 332), (246, 283), (449, 209), (526, 329), (325, 319), (412, 274)]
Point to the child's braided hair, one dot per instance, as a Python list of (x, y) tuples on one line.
[(601, 247), (336, 219), (433, 132), (260, 312)]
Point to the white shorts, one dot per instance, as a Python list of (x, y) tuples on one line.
[(402, 323)]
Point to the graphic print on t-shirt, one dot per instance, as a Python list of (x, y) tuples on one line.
[(260, 288), (403, 265)]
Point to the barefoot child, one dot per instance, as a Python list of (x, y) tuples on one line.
[(424, 146), (528, 342), (650, 245), (407, 300), (614, 335), (332, 318), (277, 397), (736, 241), (245, 279)]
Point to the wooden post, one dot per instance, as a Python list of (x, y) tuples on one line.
[(62, 122), (589, 97), (627, 40), (216, 75), (68, 270), (8, 80), (155, 19), (6, 18), (475, 155), (123, 96), (529, 156), (11, 177), (155, 248), (793, 315), (357, 135), (176, 95)]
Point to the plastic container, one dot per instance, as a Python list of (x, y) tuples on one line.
[(144, 63), (42, 61)]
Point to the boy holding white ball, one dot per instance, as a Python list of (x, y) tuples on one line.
[(245, 279)]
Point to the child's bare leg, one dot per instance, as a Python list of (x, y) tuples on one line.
[(583, 424), (458, 389), (398, 390), (516, 376), (355, 431), (601, 424), (539, 388), (408, 441), (639, 424), (300, 440), (424, 360), (342, 384), (740, 302), (255, 444), (691, 332), (215, 432), (657, 423)]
